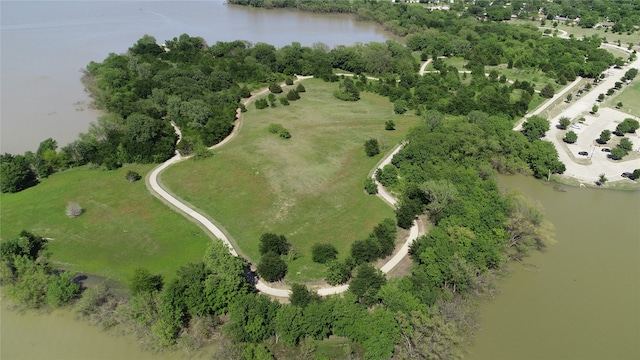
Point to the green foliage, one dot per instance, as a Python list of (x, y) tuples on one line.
[(270, 242), (323, 253), (602, 179), (272, 267), (605, 136), (542, 157), (400, 107), (339, 272), (289, 324), (625, 144), (25, 245), (618, 153), (628, 125), (535, 127), (347, 91), (636, 174), (570, 137), (132, 176), (279, 130), (371, 147), (366, 283), (284, 101), (370, 186), (387, 175), (390, 125), (62, 289), (144, 282), (379, 244), (564, 122), (300, 88), (301, 296), (252, 318), (15, 173), (288, 81), (293, 95), (275, 88), (547, 91), (261, 104)]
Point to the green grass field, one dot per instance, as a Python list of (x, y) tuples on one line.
[(309, 187), (123, 226), (629, 98)]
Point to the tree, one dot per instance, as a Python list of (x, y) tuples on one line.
[(570, 137), (601, 97), (323, 253), (289, 324), (288, 81), (62, 289), (569, 97), (262, 104), (251, 318), (594, 109), (439, 194), (15, 174), (625, 144), (619, 105), (526, 225), (564, 122), (636, 174), (143, 282), (272, 267), (370, 186), (547, 91), (339, 272), (293, 95), (371, 147), (270, 242), (301, 296), (628, 125), (535, 127), (366, 283), (428, 337), (602, 179), (300, 88), (618, 153), (605, 136), (400, 106), (25, 245), (284, 101)]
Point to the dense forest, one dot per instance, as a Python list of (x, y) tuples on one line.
[(445, 173)]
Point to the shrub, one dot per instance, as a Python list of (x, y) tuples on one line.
[(564, 122), (270, 242), (371, 147), (262, 104), (293, 95), (61, 289), (288, 81), (339, 272), (390, 125), (570, 137), (73, 209), (280, 130), (275, 88), (133, 176), (284, 101), (300, 88), (323, 253)]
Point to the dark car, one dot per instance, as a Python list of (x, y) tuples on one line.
[(583, 153), (606, 150), (627, 174)]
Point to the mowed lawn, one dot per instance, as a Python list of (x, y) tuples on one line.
[(123, 226), (308, 187), (629, 98)]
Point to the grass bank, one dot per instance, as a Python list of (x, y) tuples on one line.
[(308, 187), (123, 226)]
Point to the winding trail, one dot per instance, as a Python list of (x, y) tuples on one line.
[(157, 190)]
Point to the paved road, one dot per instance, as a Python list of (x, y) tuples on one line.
[(155, 188)]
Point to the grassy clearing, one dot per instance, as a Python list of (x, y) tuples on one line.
[(534, 76), (123, 226), (629, 98), (309, 187)]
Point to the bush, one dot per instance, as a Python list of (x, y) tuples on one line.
[(570, 137), (371, 147), (370, 186), (61, 289), (339, 272), (605, 136), (564, 122), (625, 144), (262, 104), (133, 176), (323, 253), (73, 209), (300, 88), (293, 95), (284, 101), (288, 81), (280, 130), (400, 107), (143, 281)]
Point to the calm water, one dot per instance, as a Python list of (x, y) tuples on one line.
[(46, 43), (580, 299)]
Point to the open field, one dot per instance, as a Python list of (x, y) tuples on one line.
[(123, 226), (534, 76), (309, 187), (629, 98)]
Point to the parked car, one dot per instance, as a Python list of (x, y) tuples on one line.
[(606, 150), (627, 174), (583, 153)]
